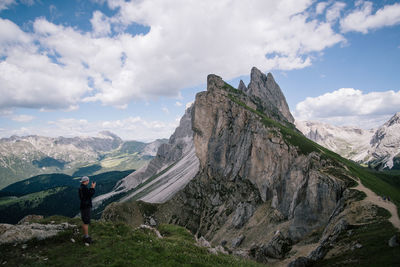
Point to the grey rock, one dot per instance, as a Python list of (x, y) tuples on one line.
[(393, 241), (243, 213), (301, 262), (202, 242), (278, 247), (217, 249), (264, 87), (223, 243), (328, 240), (236, 242), (152, 222), (256, 252), (242, 86), (30, 218), (22, 233)]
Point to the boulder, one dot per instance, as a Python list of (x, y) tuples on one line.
[(393, 241), (243, 213), (30, 218), (24, 232), (237, 241), (278, 246), (301, 262)]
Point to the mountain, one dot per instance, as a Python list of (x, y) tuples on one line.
[(23, 157), (377, 148), (238, 173), (385, 152)]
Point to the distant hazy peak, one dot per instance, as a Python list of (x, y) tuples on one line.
[(393, 120)]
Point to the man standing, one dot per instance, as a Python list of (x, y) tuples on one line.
[(85, 195)]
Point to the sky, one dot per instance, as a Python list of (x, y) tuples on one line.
[(79, 67)]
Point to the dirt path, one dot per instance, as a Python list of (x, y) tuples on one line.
[(375, 199)]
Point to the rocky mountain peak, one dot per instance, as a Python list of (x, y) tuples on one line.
[(393, 120), (214, 82), (264, 87), (242, 86)]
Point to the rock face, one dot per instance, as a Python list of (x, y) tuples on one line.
[(253, 176), (244, 161), (264, 87), (379, 148)]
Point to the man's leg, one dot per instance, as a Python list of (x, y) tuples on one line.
[(85, 229)]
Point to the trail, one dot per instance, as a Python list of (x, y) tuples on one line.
[(375, 199)]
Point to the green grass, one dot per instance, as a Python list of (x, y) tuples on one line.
[(117, 244)]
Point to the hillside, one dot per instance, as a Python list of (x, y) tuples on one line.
[(49, 194), (117, 244)]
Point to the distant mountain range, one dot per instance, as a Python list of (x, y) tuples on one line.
[(376, 148), (24, 157)]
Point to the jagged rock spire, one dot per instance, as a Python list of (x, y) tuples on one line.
[(242, 86), (265, 87)]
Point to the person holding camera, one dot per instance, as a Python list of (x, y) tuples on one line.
[(85, 195)]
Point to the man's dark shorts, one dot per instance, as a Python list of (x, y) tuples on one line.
[(85, 214)]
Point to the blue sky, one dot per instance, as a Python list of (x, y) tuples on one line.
[(80, 67)]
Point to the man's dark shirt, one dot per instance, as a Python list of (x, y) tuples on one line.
[(85, 195)]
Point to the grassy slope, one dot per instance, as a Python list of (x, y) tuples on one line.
[(117, 245)]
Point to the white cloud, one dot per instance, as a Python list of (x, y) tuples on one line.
[(189, 104), (187, 40), (320, 8), (100, 24), (348, 106), (4, 4), (22, 118), (131, 128), (178, 104), (333, 13), (28, 2), (165, 110), (362, 19)]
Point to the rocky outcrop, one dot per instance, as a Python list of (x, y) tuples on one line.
[(278, 246), (242, 214), (393, 241), (265, 88), (24, 232)]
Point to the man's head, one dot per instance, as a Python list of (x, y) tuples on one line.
[(85, 180)]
